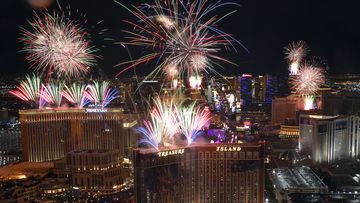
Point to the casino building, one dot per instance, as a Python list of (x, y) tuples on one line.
[(200, 173), (49, 134)]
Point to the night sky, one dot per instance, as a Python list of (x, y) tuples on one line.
[(331, 29)]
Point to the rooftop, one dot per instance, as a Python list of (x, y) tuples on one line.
[(183, 146), (70, 110), (299, 177), (23, 170), (92, 151)]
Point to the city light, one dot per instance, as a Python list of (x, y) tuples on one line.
[(174, 121)]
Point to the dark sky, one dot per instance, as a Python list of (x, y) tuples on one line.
[(331, 29)]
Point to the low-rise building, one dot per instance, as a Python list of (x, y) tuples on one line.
[(302, 179), (97, 172), (289, 132)]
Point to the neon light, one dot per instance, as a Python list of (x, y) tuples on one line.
[(171, 152), (228, 149), (96, 110)]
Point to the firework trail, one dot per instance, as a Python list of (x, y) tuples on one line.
[(28, 90), (295, 53), (181, 37), (75, 94), (52, 93), (101, 93), (56, 45)]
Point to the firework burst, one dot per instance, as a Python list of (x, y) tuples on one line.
[(195, 81), (75, 94), (308, 80), (28, 90), (169, 121), (181, 36), (164, 113), (56, 45), (52, 93), (295, 53), (152, 132), (101, 93), (191, 120), (162, 126), (309, 102)]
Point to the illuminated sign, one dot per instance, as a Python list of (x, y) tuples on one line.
[(171, 152), (228, 149), (96, 110)]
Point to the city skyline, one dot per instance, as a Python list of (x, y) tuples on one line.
[(179, 101)]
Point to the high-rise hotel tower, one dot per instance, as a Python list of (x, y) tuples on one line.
[(200, 173), (49, 134)]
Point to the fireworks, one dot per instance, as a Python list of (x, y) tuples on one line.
[(28, 90), (294, 68), (295, 54), (169, 121), (308, 80), (164, 114), (152, 133), (32, 90), (162, 128), (191, 121), (58, 46), (309, 102), (181, 36), (101, 93), (52, 93), (195, 82), (75, 94)]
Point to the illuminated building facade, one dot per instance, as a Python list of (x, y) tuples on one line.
[(96, 171), (48, 134), (285, 108), (259, 89), (341, 103), (246, 91), (10, 146), (329, 139), (289, 132), (200, 173)]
